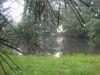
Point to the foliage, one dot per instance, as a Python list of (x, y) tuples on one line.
[(29, 38), (93, 28), (72, 25), (6, 50)]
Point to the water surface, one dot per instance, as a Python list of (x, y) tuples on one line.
[(65, 45)]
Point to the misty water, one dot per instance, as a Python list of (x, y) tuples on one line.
[(57, 45)]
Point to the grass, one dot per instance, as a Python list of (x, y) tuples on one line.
[(77, 64)]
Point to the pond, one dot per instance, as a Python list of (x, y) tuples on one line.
[(64, 45)]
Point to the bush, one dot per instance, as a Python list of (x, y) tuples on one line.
[(6, 51), (93, 28)]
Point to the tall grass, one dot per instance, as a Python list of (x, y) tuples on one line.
[(48, 65)]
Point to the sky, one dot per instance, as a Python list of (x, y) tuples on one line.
[(16, 8)]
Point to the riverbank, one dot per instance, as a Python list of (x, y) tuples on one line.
[(77, 64)]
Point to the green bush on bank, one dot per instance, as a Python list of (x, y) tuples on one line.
[(93, 28)]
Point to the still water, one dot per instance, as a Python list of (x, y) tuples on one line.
[(64, 45)]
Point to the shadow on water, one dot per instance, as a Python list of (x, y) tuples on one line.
[(76, 45), (63, 45)]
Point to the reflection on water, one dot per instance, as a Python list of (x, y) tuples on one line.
[(57, 54), (62, 45), (74, 45), (59, 40)]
